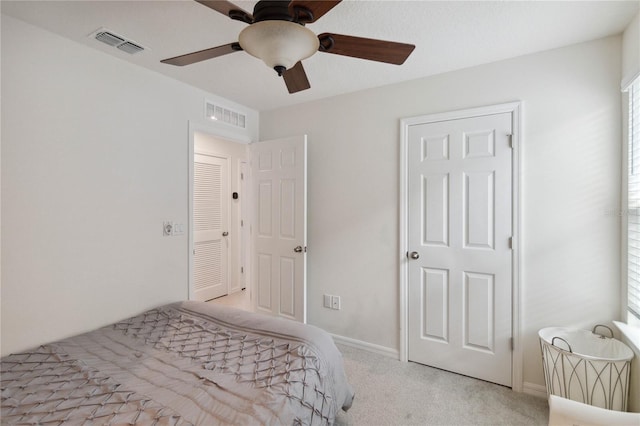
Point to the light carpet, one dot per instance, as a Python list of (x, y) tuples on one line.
[(390, 392)]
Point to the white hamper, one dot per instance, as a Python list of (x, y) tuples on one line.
[(586, 367)]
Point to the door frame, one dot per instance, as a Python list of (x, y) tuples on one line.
[(515, 108), (197, 127), (244, 166)]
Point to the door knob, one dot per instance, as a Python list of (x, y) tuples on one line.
[(298, 249), (414, 255), (225, 233)]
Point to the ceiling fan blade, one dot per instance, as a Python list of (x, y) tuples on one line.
[(317, 8), (296, 79), (228, 9), (203, 55), (365, 48)]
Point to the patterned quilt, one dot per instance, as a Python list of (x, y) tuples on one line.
[(185, 363)]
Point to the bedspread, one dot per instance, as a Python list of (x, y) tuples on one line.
[(184, 363)]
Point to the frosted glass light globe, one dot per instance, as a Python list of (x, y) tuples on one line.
[(279, 43)]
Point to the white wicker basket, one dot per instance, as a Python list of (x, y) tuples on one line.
[(586, 367)]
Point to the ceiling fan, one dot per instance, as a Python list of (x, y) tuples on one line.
[(277, 35)]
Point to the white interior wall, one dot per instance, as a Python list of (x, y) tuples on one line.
[(94, 159), (235, 153), (570, 179), (631, 51)]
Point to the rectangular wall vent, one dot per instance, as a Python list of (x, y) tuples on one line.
[(117, 41), (225, 115)]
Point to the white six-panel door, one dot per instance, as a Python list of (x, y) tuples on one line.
[(460, 263), (210, 223), (279, 228)]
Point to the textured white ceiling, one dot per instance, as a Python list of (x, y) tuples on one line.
[(448, 35)]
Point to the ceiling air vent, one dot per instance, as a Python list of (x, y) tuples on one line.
[(108, 38), (117, 41), (130, 47), (225, 115)]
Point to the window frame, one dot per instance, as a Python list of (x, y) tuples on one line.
[(631, 203)]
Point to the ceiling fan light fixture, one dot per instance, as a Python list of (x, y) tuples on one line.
[(277, 35), (279, 43)]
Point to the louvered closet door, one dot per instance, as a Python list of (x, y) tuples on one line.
[(210, 223)]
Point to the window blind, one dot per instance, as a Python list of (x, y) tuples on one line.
[(633, 210)]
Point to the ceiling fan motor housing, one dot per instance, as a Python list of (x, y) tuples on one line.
[(271, 10)]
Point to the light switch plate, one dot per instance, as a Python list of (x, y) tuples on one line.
[(178, 228), (327, 301)]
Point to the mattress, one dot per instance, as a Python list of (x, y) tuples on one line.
[(184, 363)]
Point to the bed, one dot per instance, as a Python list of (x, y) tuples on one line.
[(183, 363)]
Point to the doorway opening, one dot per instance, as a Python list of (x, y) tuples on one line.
[(219, 255), (254, 199)]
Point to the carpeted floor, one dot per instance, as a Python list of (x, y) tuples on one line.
[(390, 392)]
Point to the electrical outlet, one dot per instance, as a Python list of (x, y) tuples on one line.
[(335, 302), (167, 228)]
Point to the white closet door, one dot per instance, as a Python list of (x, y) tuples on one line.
[(460, 266), (210, 227)]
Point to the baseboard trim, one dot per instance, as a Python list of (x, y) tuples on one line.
[(359, 344), (534, 389)]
